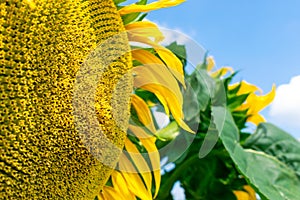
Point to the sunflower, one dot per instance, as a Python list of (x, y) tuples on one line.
[(254, 102), (50, 146)]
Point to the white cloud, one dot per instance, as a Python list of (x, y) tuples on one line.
[(285, 110)]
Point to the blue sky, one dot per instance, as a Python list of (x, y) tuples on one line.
[(259, 37)]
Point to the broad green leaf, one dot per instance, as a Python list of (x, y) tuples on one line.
[(203, 86), (271, 178), (276, 142), (191, 107)]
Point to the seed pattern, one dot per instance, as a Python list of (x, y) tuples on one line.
[(43, 44)]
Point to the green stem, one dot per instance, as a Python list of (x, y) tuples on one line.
[(165, 189)]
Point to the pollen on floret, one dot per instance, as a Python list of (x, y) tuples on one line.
[(44, 44)]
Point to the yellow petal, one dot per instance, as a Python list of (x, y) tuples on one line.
[(159, 77), (256, 119), (254, 103), (143, 112), (172, 62), (142, 39), (149, 7), (145, 29), (172, 103), (111, 193), (119, 183), (145, 57), (241, 195), (248, 194), (245, 88), (259, 102), (149, 143), (161, 98), (222, 72), (210, 63), (133, 179), (140, 163), (250, 191)]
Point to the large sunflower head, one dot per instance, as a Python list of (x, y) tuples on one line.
[(56, 123)]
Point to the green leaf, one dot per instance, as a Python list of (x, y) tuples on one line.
[(271, 178), (240, 117), (117, 2), (133, 16), (233, 91), (146, 95), (191, 107), (203, 86), (127, 19), (276, 142), (169, 132), (236, 101), (142, 17)]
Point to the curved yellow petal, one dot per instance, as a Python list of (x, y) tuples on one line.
[(134, 182), (146, 57), (119, 183), (149, 143), (145, 29), (241, 195), (162, 100), (149, 7), (142, 39), (140, 163), (172, 62), (143, 112), (109, 193), (250, 191), (256, 119), (157, 75), (222, 72), (248, 194), (259, 102), (254, 103), (245, 88), (210, 63), (163, 95)]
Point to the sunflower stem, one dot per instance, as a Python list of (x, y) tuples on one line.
[(165, 189)]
